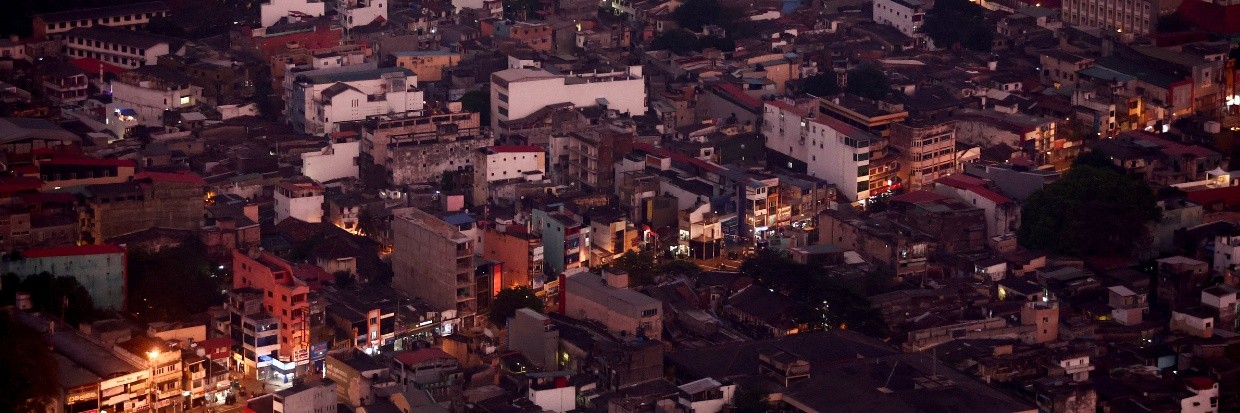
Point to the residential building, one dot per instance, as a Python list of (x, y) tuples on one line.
[(1180, 280), (366, 313), (588, 158), (126, 16), (61, 82), (700, 234), (152, 91), (552, 391), (310, 396), (150, 200), (565, 239), (1137, 17), (230, 226), (429, 369), (1002, 213), (623, 311), (355, 374), (24, 136), (825, 147), (927, 151), (896, 247), (706, 395), (428, 65), (338, 159), (534, 35), (520, 93), (286, 297), (1221, 299), (273, 11), (907, 16), (501, 164), (100, 269), (1196, 321), (433, 259), (357, 13), (419, 147), (520, 252), (71, 171), (317, 101), (300, 199), (120, 47), (536, 337), (1029, 135)]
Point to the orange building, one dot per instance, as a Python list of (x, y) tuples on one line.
[(286, 297)]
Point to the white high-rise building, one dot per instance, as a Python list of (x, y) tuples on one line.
[(831, 149), (905, 15)]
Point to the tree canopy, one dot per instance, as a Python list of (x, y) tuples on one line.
[(693, 14), (509, 300), (29, 370), (639, 265), (61, 296), (869, 82), (952, 22), (174, 283), (822, 84), (825, 298), (478, 101), (1091, 210)]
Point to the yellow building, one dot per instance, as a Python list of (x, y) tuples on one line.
[(427, 64)]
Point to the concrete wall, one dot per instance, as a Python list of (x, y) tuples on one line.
[(103, 275), (271, 12), (339, 160)]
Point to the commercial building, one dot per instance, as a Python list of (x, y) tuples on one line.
[(286, 297), (1136, 17), (316, 101), (623, 311), (565, 239), (120, 47), (927, 151), (433, 259), (825, 147), (127, 16), (520, 93), (101, 269), (354, 373)]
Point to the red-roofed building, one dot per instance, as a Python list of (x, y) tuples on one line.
[(101, 269), (1002, 213), (426, 368)]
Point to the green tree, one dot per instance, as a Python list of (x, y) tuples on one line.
[(678, 41), (693, 14), (1075, 130), (28, 379), (61, 296), (639, 265), (478, 101), (952, 22), (868, 81), (822, 84), (680, 268), (1088, 211), (174, 283), (751, 399), (825, 299), (509, 300)]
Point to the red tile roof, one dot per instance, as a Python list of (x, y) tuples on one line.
[(1200, 383), (677, 156), (740, 96), (974, 185), (421, 356), (92, 66), (19, 183), (180, 177), (72, 250)]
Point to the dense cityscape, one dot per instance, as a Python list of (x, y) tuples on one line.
[(620, 206)]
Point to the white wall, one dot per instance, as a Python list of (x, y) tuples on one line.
[(308, 208), (897, 15), (335, 161), (350, 105), (131, 59), (354, 13), (467, 4), (1202, 401), (509, 165), (277, 9), (558, 400), (151, 103), (823, 149), (528, 96)]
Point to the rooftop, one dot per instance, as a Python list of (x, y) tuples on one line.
[(86, 14)]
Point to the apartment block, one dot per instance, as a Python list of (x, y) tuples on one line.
[(821, 146), (101, 269), (357, 13), (286, 297), (420, 146), (927, 152), (1136, 17), (150, 200), (433, 259), (120, 47)]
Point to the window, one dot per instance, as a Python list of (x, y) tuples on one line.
[(650, 313)]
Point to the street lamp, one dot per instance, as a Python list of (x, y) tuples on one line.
[(150, 389)]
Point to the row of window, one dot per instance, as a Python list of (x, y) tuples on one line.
[(111, 58), (106, 45), (99, 20)]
